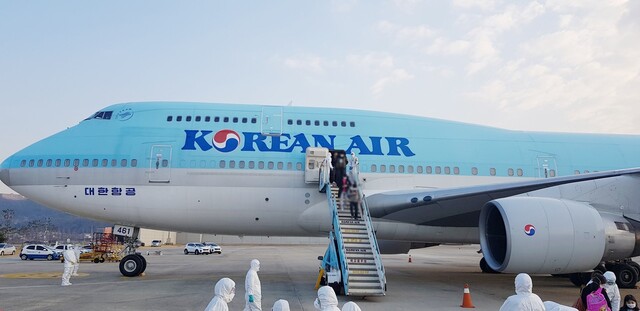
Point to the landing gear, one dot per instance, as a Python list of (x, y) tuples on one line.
[(133, 264), (626, 271), (485, 267)]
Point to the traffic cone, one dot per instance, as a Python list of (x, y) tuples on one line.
[(466, 298), (409, 258)]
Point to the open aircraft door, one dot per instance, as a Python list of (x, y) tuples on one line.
[(160, 164)]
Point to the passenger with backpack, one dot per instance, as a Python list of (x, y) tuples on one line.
[(594, 297)]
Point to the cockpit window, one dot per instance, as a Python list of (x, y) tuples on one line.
[(102, 115)]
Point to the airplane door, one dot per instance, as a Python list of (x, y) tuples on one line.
[(160, 164), (547, 167), (271, 121)]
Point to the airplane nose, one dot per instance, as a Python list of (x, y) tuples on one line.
[(4, 172)]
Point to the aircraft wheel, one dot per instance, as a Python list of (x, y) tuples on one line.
[(633, 265), (626, 276), (485, 267), (144, 263), (131, 265)]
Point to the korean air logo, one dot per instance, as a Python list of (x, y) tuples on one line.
[(530, 230), (226, 140)]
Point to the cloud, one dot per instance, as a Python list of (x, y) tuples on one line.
[(410, 34), (395, 76), (382, 67), (484, 5)]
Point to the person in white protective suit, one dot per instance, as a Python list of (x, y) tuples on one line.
[(351, 306), (327, 300), (554, 306), (612, 290), (224, 291), (69, 262), (524, 299), (253, 292), (281, 305), (76, 251)]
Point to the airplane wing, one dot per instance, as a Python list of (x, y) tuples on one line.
[(460, 207)]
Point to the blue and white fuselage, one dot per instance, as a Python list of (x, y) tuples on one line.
[(239, 169)]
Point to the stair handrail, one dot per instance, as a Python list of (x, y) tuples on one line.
[(374, 242), (324, 178), (338, 234)]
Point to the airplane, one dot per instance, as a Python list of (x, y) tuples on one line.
[(536, 202)]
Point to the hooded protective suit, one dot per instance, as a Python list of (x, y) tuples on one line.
[(280, 305), (253, 292), (76, 251), (351, 306), (327, 300), (69, 262), (224, 291), (525, 299), (612, 290), (554, 306)]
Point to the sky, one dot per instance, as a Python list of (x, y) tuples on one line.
[(569, 66)]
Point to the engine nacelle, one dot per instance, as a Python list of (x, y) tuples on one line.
[(541, 235)]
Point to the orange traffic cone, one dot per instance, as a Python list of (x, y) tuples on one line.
[(409, 258), (466, 298)]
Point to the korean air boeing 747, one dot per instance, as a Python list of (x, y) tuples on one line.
[(535, 202)]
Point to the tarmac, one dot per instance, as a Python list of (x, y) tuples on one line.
[(434, 280)]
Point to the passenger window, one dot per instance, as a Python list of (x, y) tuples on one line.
[(325, 123), (134, 163), (165, 163), (400, 168), (373, 168), (334, 123), (438, 170), (40, 163), (76, 162), (252, 164), (241, 164), (58, 162), (456, 170), (289, 166), (576, 172), (223, 164), (392, 168), (123, 162), (32, 163), (188, 119), (280, 165), (203, 164), (586, 171), (232, 164), (383, 168), (254, 120), (316, 123), (552, 173), (410, 169), (207, 119), (244, 120), (169, 118), (492, 171), (420, 170), (216, 119), (114, 163), (290, 122), (225, 120), (67, 162), (31, 247), (105, 162), (474, 171), (299, 166), (352, 124), (308, 122), (235, 119), (519, 171), (178, 118), (85, 162), (299, 122), (429, 170), (49, 162), (312, 164), (447, 170), (261, 165), (94, 162), (343, 124), (510, 172), (198, 118), (23, 163)]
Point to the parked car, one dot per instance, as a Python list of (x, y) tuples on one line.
[(215, 248), (38, 251), (7, 249), (156, 243), (63, 247), (196, 248)]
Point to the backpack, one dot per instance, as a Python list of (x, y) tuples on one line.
[(596, 301)]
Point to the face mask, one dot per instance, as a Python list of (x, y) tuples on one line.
[(229, 297), (631, 305), (610, 282)]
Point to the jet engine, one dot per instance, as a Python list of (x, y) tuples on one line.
[(546, 235)]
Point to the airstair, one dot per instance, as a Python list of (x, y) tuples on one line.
[(353, 247)]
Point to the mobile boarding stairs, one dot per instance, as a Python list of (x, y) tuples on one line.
[(352, 260)]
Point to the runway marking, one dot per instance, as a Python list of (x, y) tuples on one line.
[(37, 275)]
